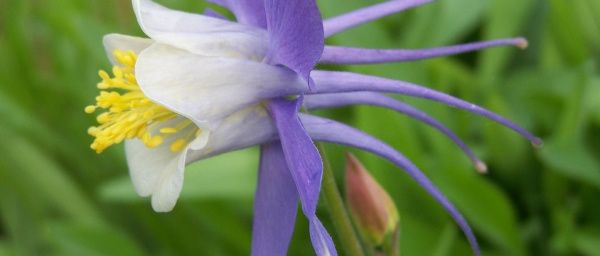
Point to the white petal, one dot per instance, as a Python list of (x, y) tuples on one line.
[(245, 128), (200, 34), (114, 42), (169, 186), (158, 172), (146, 165), (206, 89), (200, 141)]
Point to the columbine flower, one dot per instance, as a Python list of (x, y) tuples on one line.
[(202, 85)]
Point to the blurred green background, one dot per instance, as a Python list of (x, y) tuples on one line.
[(57, 197)]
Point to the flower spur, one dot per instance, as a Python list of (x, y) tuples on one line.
[(203, 85)]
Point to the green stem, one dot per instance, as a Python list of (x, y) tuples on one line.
[(337, 211)]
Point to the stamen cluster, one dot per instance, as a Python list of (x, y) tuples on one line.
[(129, 114)]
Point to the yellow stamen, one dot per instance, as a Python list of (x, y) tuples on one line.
[(178, 145), (128, 113), (104, 75), (168, 130), (155, 142), (90, 109)]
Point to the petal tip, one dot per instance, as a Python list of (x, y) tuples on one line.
[(537, 143), (522, 43), (481, 167), (165, 201), (161, 207)]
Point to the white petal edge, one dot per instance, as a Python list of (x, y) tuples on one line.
[(114, 42), (200, 141), (207, 89), (200, 34), (170, 185), (146, 165), (158, 172)]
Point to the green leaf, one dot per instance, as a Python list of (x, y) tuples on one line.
[(587, 242), (566, 152), (34, 170), (228, 176), (570, 158), (593, 99), (567, 33), (73, 239), (484, 205), (588, 20), (419, 237), (372, 32), (506, 18), (443, 22), (5, 249)]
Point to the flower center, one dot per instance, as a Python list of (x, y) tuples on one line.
[(128, 114)]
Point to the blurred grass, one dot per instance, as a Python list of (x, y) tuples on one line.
[(59, 198)]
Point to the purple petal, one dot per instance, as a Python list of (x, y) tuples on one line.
[(335, 82), (305, 165), (345, 21), (376, 99), (321, 240), (251, 12), (330, 131), (295, 34), (275, 204), (301, 154), (349, 55)]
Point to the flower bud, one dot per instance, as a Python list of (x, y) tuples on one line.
[(372, 209)]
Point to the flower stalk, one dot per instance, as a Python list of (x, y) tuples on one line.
[(391, 244), (337, 210)]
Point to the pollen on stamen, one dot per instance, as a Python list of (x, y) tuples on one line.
[(104, 75), (93, 131), (155, 142), (90, 109), (178, 145), (103, 86), (168, 130), (118, 72), (128, 114)]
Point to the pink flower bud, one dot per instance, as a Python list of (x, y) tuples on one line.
[(373, 210)]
